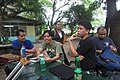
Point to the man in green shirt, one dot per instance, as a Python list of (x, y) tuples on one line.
[(51, 49)]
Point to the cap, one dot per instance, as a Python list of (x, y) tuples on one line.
[(78, 70)]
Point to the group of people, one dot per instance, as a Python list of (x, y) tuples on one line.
[(52, 45)]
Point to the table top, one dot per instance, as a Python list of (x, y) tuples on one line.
[(32, 72), (6, 45)]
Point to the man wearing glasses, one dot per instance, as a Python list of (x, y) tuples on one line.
[(102, 40), (22, 41)]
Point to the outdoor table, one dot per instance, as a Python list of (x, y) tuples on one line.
[(6, 46), (32, 72)]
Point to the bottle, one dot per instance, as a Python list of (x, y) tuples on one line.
[(23, 52), (23, 60), (42, 63), (77, 62), (77, 70)]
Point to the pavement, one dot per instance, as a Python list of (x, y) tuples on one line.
[(66, 48)]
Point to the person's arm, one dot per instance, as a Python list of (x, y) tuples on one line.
[(48, 59), (58, 51), (64, 40), (29, 51), (98, 51), (113, 48), (72, 48), (39, 51), (31, 48)]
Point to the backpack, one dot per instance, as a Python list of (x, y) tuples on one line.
[(109, 60)]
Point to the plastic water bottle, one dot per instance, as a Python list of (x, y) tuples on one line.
[(23, 60), (42, 63), (23, 52), (77, 70)]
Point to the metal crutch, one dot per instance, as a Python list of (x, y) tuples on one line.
[(17, 68)]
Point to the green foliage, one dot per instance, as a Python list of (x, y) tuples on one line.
[(81, 12), (32, 9), (36, 10), (46, 3)]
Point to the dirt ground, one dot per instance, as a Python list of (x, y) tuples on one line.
[(66, 48)]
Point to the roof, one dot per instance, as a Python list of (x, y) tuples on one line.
[(15, 20)]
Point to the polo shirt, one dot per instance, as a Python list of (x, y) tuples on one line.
[(17, 45), (101, 43)]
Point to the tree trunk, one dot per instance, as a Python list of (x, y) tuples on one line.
[(115, 30), (111, 10), (113, 22)]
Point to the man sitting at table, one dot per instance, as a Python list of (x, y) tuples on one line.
[(102, 40), (21, 40), (85, 49), (51, 49)]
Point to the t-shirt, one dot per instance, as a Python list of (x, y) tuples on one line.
[(86, 48), (101, 43), (17, 45), (52, 49)]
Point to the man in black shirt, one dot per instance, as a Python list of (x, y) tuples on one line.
[(86, 47)]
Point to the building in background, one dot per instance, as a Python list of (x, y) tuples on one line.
[(12, 23)]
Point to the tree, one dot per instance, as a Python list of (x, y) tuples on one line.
[(111, 11), (57, 12), (80, 12), (113, 22), (14, 7)]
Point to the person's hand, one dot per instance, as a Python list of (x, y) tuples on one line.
[(81, 57), (48, 59), (99, 51), (112, 48), (42, 52), (72, 37)]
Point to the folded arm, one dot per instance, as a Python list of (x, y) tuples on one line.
[(29, 51)]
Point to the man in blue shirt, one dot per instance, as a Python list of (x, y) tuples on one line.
[(17, 44), (102, 41)]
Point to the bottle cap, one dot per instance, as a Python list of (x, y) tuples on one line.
[(78, 70), (78, 58), (23, 50), (41, 56)]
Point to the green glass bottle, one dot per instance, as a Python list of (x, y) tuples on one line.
[(77, 62), (42, 64), (77, 70)]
